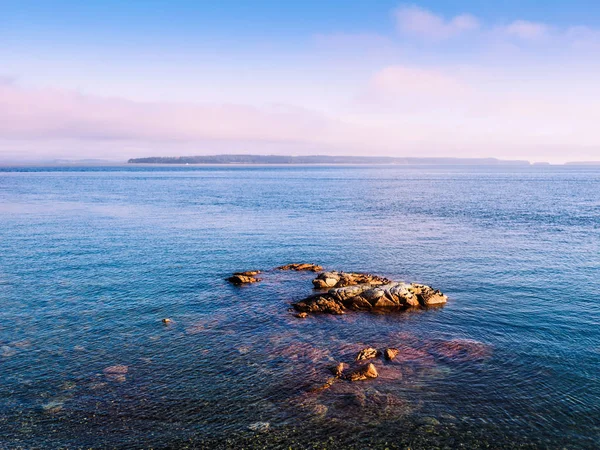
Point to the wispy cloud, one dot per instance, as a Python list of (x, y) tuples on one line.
[(413, 20)]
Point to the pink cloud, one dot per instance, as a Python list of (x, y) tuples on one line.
[(58, 114)]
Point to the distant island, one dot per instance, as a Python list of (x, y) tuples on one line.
[(319, 159)]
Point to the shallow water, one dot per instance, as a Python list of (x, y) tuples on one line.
[(91, 260)]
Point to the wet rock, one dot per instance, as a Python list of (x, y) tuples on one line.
[(363, 373), (238, 280), (338, 370), (301, 267), (390, 353), (325, 385), (259, 427), (367, 353)]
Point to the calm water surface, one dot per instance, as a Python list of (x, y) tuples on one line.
[(91, 260)]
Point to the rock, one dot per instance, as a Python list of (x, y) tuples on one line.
[(301, 267), (390, 353), (238, 280), (428, 296), (248, 273), (363, 373), (167, 321), (339, 369), (302, 315), (342, 279), (367, 353), (320, 303), (259, 427), (53, 406), (372, 293), (326, 280)]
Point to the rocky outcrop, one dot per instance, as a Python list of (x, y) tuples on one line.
[(247, 277), (248, 273), (301, 267), (371, 296), (328, 280)]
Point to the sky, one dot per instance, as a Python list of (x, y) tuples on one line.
[(113, 79)]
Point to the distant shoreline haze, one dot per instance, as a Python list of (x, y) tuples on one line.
[(319, 159)]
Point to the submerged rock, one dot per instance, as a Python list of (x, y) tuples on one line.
[(461, 350), (339, 369), (116, 370), (367, 353), (371, 295), (116, 373), (259, 427), (301, 267), (363, 373)]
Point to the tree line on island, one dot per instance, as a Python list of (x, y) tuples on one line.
[(318, 159)]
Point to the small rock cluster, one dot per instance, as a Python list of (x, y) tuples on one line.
[(360, 371), (353, 291)]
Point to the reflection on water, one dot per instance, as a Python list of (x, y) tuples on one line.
[(92, 261)]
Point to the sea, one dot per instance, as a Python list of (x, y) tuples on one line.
[(92, 259)]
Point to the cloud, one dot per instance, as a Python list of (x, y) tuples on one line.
[(412, 87), (524, 29), (47, 114), (416, 21)]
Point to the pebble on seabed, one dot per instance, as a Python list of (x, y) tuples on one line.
[(260, 427)]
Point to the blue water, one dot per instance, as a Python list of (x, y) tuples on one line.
[(91, 260)]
